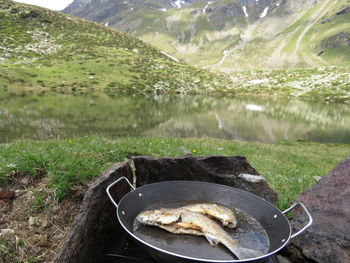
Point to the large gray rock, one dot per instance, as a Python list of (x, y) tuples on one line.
[(96, 223), (233, 171), (328, 239)]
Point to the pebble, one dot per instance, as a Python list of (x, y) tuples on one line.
[(317, 178), (33, 221), (24, 181)]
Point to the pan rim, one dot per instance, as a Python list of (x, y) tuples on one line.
[(202, 259)]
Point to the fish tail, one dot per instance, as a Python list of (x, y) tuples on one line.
[(245, 253), (212, 240)]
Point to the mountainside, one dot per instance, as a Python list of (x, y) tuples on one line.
[(229, 35), (46, 50), (40, 48)]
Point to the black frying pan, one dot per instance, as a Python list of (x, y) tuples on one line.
[(260, 226)]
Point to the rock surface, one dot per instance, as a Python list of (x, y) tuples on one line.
[(233, 171), (96, 223), (328, 239)]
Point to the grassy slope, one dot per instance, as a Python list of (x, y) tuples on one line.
[(290, 168), (46, 49), (325, 83), (187, 34)]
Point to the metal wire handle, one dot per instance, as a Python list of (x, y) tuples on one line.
[(114, 183), (308, 214)]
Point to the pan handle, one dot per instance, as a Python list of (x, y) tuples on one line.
[(114, 183), (307, 213)]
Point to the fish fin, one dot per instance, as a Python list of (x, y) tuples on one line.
[(212, 241), (246, 253)]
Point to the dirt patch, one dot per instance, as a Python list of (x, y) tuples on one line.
[(32, 225)]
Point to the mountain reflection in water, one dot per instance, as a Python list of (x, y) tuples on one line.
[(51, 115)]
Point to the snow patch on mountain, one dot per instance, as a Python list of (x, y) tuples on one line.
[(178, 3), (245, 11), (205, 8), (264, 13), (171, 57)]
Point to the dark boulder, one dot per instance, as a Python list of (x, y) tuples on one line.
[(328, 239), (96, 224), (344, 11), (233, 171), (30, 14), (339, 40)]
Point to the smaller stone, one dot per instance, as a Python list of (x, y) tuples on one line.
[(24, 181), (317, 178), (44, 222), (58, 236), (33, 221)]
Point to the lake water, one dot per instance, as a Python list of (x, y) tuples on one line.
[(51, 115)]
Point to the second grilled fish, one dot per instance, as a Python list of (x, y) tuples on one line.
[(182, 221), (220, 212)]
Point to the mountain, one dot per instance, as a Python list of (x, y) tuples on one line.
[(230, 35), (44, 49)]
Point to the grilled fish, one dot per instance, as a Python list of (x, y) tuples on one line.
[(222, 213), (182, 221)]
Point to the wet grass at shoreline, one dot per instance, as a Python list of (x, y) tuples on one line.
[(290, 168)]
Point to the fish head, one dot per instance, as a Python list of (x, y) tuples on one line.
[(160, 216)]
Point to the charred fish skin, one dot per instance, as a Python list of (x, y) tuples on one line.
[(187, 222), (220, 212)]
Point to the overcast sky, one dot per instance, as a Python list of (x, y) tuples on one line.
[(52, 4)]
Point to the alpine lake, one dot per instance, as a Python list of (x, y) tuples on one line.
[(46, 116)]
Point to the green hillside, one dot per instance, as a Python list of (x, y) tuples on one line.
[(43, 49)]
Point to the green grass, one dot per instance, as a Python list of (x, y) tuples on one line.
[(43, 49), (289, 167)]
